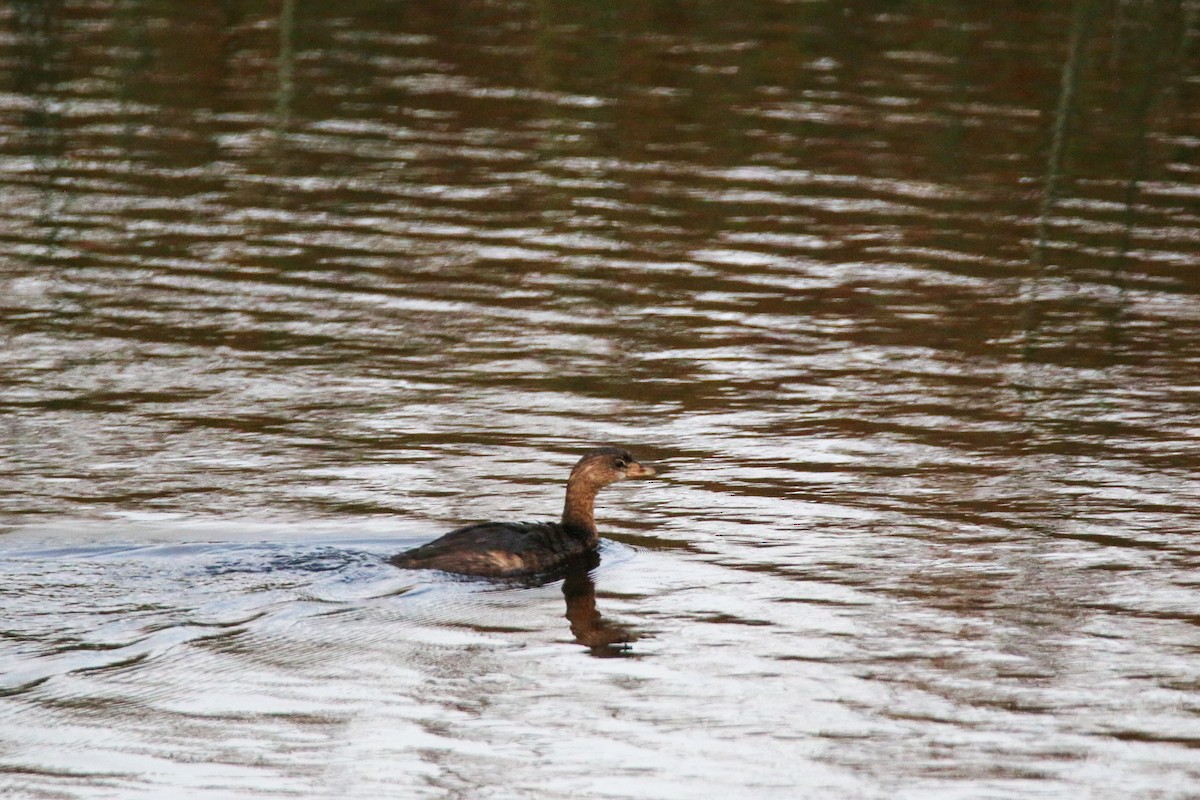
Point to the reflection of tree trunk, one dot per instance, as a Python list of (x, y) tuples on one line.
[(1153, 51), (1150, 51), (285, 67), (1145, 46), (1081, 24), (37, 37), (38, 44), (603, 637)]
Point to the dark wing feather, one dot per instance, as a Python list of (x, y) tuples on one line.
[(496, 549)]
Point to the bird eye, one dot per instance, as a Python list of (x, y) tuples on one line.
[(621, 463)]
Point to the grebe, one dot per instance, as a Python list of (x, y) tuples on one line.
[(507, 549)]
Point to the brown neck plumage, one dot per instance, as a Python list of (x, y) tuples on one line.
[(577, 511)]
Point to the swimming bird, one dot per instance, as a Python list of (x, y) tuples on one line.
[(509, 549)]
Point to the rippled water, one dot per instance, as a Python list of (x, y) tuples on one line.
[(902, 300)]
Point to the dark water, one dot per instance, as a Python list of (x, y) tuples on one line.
[(903, 298)]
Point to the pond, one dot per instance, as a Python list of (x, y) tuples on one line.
[(901, 299)]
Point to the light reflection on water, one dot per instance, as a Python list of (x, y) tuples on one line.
[(903, 303)]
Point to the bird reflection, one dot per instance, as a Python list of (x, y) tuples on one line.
[(604, 638)]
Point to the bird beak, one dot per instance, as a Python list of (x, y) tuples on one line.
[(638, 470)]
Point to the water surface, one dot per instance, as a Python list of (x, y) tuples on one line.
[(902, 300)]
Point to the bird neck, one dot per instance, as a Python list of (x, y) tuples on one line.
[(577, 511)]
